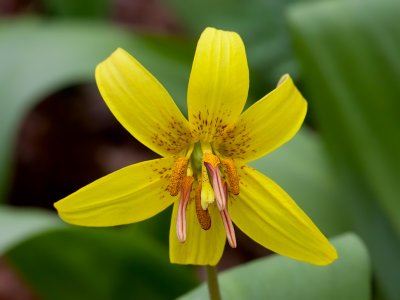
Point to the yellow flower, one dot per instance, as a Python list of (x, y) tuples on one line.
[(203, 170)]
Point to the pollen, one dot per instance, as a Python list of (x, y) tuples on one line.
[(186, 185), (212, 159), (231, 172), (178, 171), (202, 215)]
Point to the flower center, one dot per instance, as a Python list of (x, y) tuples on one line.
[(208, 174)]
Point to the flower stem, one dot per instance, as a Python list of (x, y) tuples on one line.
[(212, 281)]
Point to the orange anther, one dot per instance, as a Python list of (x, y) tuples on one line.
[(202, 215), (212, 159), (178, 171), (233, 178)]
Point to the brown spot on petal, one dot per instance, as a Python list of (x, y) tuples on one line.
[(172, 136)]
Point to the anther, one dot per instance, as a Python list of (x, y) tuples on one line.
[(202, 215), (211, 159), (178, 171), (186, 188), (231, 172)]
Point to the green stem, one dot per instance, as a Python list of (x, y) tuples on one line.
[(212, 281)]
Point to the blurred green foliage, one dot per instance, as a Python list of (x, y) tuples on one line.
[(99, 264), (76, 8), (18, 224), (349, 57), (346, 56), (281, 278)]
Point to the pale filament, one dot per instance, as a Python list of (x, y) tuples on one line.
[(186, 187), (218, 188), (226, 219)]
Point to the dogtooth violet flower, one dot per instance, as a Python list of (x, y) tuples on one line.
[(203, 169)]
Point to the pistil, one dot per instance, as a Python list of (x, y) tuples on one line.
[(207, 193)]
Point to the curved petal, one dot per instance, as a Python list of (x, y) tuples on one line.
[(219, 83), (202, 247), (141, 104), (131, 194), (267, 124), (270, 217)]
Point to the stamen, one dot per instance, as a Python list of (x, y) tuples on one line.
[(226, 219), (230, 170), (177, 174), (211, 159), (229, 229), (211, 162), (202, 215), (186, 188)]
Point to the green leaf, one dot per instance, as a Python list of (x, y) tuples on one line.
[(348, 51), (357, 102), (19, 224), (38, 57), (278, 277), (302, 169), (83, 263)]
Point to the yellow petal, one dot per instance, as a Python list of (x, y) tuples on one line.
[(141, 104), (266, 125), (131, 194), (219, 83), (202, 247), (269, 216)]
